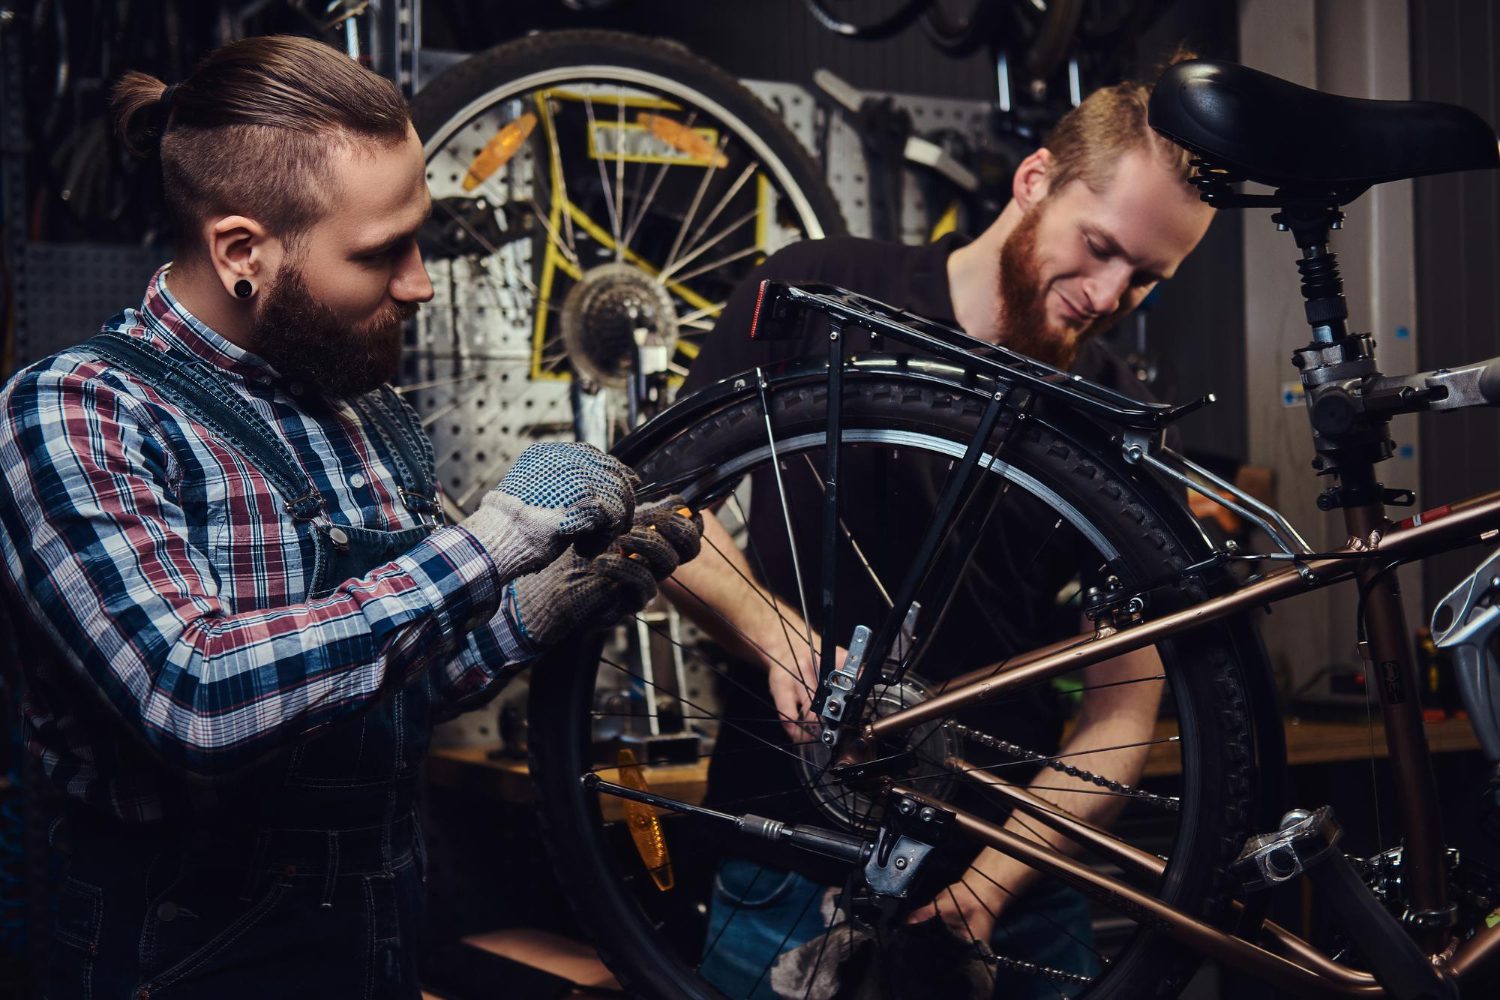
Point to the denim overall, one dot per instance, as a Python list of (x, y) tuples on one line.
[(308, 880)]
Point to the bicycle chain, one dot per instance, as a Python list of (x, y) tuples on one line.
[(1170, 803), (1033, 969)]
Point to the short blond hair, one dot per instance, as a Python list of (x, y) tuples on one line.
[(1087, 144)]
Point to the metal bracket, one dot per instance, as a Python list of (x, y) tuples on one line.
[(838, 684), (909, 833), (1142, 448)]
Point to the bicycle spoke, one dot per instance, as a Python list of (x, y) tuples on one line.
[(402, 390), (815, 894), (723, 234), (552, 234), (1055, 923), (759, 567), (609, 201), (974, 941), (822, 949), (630, 673), (718, 209), (714, 265), (644, 206), (722, 672), (786, 514), (719, 615), (711, 310), (733, 912), (619, 201), (687, 219), (885, 594), (457, 401)]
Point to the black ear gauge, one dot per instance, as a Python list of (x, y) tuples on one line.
[(243, 288)]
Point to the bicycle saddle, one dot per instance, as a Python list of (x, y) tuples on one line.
[(1264, 129)]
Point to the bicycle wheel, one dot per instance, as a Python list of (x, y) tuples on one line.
[(589, 187), (1196, 810)]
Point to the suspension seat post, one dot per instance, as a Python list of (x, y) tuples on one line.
[(1322, 285)]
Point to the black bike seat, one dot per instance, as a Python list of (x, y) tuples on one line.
[(1264, 129)]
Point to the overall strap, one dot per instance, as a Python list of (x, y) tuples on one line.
[(192, 385), (401, 430)]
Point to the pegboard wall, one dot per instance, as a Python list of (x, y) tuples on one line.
[(67, 291), (832, 141)]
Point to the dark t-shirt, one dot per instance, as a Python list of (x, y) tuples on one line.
[(1006, 599)]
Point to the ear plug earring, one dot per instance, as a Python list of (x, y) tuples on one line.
[(244, 289)]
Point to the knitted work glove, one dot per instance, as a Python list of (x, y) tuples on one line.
[(574, 593), (559, 493)]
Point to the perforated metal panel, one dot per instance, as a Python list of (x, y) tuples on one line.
[(69, 290), (846, 169)]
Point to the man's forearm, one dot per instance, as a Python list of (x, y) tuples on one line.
[(1113, 727), (722, 595)]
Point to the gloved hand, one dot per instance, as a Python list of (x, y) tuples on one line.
[(559, 493), (575, 593)]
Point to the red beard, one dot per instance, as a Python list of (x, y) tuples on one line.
[(1023, 303)]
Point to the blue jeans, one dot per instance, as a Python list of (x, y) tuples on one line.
[(753, 907)]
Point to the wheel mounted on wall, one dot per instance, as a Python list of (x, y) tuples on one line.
[(587, 185)]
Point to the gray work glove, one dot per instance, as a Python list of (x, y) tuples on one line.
[(559, 493), (576, 593)]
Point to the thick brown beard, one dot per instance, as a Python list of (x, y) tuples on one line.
[(305, 342), (1023, 302)]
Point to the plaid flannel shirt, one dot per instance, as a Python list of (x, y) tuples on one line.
[(169, 583)]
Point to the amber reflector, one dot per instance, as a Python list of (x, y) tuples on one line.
[(645, 827), (683, 139), (498, 151)]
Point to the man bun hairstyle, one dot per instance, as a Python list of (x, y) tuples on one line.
[(254, 129), (1087, 143)]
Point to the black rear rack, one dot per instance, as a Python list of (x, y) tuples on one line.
[(781, 305)]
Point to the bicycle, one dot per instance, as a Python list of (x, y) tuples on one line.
[(881, 778)]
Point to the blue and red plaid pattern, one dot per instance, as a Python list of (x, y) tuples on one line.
[(170, 581)]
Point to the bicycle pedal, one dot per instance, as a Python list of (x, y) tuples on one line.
[(1269, 859), (1307, 843)]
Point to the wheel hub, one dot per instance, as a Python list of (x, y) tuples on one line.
[(602, 314), (931, 743)]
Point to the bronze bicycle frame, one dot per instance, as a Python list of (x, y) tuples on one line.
[(1303, 971), (1374, 543)]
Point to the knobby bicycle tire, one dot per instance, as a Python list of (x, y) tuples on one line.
[(885, 403)]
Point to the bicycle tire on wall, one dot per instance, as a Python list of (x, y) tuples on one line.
[(443, 100), (1207, 668), (488, 329)]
